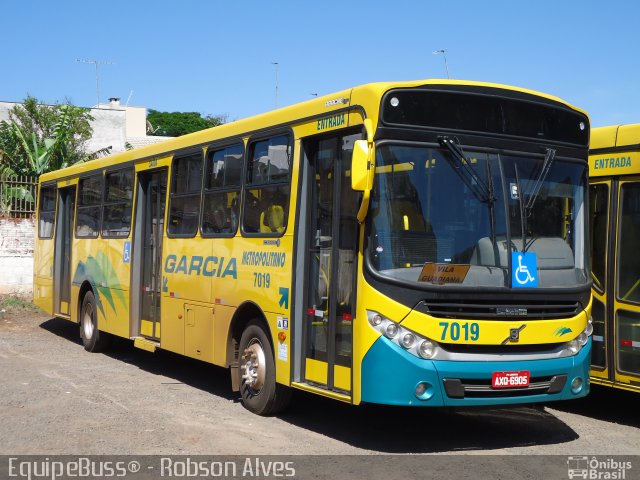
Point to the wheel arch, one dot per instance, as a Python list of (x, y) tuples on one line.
[(244, 314), (84, 288)]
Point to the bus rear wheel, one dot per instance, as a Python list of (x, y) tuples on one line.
[(93, 339), (260, 392)]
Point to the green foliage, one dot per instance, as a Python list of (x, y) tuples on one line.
[(11, 194), (16, 305), (175, 124), (41, 138)]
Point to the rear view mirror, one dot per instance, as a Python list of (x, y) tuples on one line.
[(363, 168), (360, 165)]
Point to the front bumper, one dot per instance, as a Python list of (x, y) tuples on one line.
[(390, 376)]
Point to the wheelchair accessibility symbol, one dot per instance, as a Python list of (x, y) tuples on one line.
[(524, 267)]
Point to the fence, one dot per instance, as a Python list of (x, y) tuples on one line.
[(18, 196)]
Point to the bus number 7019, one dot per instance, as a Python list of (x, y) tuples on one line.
[(454, 330)]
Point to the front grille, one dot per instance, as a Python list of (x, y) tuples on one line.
[(481, 388), (499, 349), (493, 310)]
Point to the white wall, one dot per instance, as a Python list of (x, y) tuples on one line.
[(16, 255)]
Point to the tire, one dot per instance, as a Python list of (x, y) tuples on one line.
[(260, 392), (93, 339)]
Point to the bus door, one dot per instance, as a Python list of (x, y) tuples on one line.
[(147, 257), (331, 247), (62, 251), (600, 225), (625, 332)]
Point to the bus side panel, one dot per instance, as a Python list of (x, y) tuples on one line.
[(199, 338), (43, 273), (187, 269), (221, 325), (189, 266), (264, 273), (172, 324), (91, 264), (118, 279)]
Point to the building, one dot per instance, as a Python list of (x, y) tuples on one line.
[(114, 125)]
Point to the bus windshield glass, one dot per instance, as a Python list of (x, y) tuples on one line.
[(434, 224)]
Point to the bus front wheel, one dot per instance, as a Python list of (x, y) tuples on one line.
[(260, 392), (93, 339)]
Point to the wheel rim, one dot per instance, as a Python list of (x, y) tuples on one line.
[(253, 366), (87, 321)]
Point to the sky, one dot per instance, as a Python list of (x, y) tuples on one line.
[(216, 57)]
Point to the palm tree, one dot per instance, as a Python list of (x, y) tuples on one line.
[(40, 138)]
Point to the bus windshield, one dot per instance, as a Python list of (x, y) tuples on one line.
[(434, 224)]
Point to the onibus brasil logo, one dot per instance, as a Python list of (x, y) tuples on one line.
[(595, 468)]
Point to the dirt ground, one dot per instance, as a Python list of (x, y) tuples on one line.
[(58, 399)]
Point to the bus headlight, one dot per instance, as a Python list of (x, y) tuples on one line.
[(589, 328), (575, 345), (375, 320), (427, 349), (413, 343), (408, 339), (392, 330)]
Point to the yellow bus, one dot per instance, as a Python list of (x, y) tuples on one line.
[(614, 211), (418, 243)]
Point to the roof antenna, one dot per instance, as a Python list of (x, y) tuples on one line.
[(129, 98)]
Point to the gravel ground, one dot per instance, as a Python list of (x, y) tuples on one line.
[(58, 399)]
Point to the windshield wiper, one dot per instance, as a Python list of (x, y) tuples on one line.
[(481, 189), (546, 166), (525, 210), (523, 217)]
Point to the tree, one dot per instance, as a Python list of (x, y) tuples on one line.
[(41, 138), (175, 124)]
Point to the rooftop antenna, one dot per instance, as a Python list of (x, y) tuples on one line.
[(443, 52), (97, 63), (129, 98)]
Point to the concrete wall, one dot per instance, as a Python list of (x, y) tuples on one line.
[(109, 130), (16, 256), (136, 121)]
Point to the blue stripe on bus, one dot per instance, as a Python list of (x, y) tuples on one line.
[(390, 376)]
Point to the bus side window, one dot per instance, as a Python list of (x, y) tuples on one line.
[(184, 207), (222, 190), (118, 198), (266, 201), (46, 211), (628, 261), (89, 206)]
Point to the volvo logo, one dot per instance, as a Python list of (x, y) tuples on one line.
[(514, 335), (511, 311)]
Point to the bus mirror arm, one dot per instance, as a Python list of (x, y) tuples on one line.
[(363, 168), (366, 193)]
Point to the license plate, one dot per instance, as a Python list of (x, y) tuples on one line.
[(510, 379)]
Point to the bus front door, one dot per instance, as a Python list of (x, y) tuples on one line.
[(615, 270), (625, 331), (147, 256), (599, 226), (331, 242), (62, 252)]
